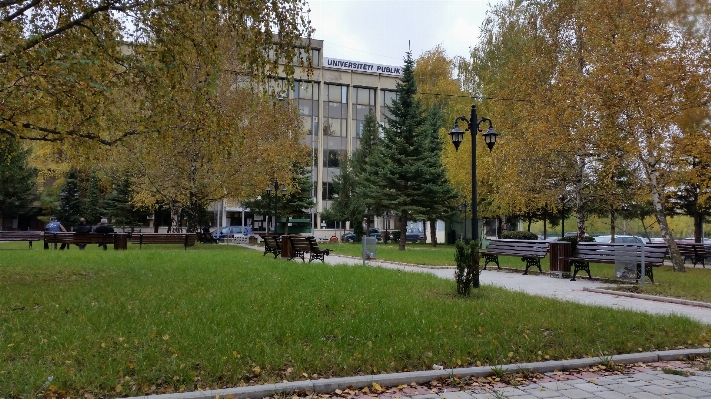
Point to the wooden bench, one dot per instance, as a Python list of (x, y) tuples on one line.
[(186, 239), (272, 245), (28, 236), (530, 251), (206, 238), (316, 253), (600, 252), (69, 238), (696, 252), (299, 247)]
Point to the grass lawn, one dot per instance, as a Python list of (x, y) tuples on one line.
[(691, 285), (124, 323)]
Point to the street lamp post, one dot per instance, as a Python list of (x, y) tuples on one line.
[(457, 135), (275, 183), (465, 205)]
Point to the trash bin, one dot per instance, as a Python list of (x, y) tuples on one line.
[(559, 254), (120, 241), (286, 247)]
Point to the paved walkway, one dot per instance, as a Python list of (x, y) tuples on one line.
[(652, 375)]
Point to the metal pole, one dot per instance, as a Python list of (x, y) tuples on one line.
[(473, 127), (276, 201)]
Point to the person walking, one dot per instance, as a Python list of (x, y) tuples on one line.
[(82, 227), (53, 226), (103, 228)]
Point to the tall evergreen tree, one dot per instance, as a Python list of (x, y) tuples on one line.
[(298, 200), (392, 175), (348, 206), (119, 207), (70, 204), (18, 188), (93, 209), (440, 194)]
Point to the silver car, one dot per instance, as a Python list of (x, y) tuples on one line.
[(620, 239)]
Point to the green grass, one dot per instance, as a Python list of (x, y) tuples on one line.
[(118, 323), (692, 285)]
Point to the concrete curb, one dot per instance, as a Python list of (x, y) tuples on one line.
[(419, 377), (650, 297)]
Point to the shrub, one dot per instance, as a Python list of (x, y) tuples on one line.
[(467, 273), (396, 236), (573, 240), (386, 237), (519, 235)]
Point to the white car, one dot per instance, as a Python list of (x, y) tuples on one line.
[(620, 239)]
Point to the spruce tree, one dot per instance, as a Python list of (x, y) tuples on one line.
[(440, 194), (348, 206), (93, 210), (70, 204), (18, 189), (391, 178), (298, 199)]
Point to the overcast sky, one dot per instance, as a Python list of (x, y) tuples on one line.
[(378, 31)]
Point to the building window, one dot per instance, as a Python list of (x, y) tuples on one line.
[(305, 95), (386, 98), (327, 191), (336, 111), (332, 158), (363, 103)]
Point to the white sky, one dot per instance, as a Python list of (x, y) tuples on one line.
[(377, 31)]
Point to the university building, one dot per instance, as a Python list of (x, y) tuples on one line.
[(333, 102)]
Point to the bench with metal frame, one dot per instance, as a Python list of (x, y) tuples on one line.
[(299, 247), (316, 253), (21, 235), (696, 252), (272, 245), (530, 251), (186, 239), (600, 252)]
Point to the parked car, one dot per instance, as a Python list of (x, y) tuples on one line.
[(232, 231), (349, 237), (691, 240), (414, 235), (620, 239), (353, 237)]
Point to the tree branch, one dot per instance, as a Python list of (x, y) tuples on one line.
[(20, 11)]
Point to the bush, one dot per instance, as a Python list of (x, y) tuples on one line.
[(396, 236), (467, 273), (386, 237), (519, 235), (573, 240)]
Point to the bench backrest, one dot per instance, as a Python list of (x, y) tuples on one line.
[(605, 252), (21, 235), (518, 247), (187, 239), (271, 242), (93, 238), (299, 243), (698, 250)]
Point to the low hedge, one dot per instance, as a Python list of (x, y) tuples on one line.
[(519, 235)]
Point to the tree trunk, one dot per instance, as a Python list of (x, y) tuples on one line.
[(174, 217), (433, 232), (579, 194), (403, 231), (612, 226), (286, 226), (658, 204), (698, 227)]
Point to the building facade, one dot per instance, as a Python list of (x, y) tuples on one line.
[(333, 101)]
